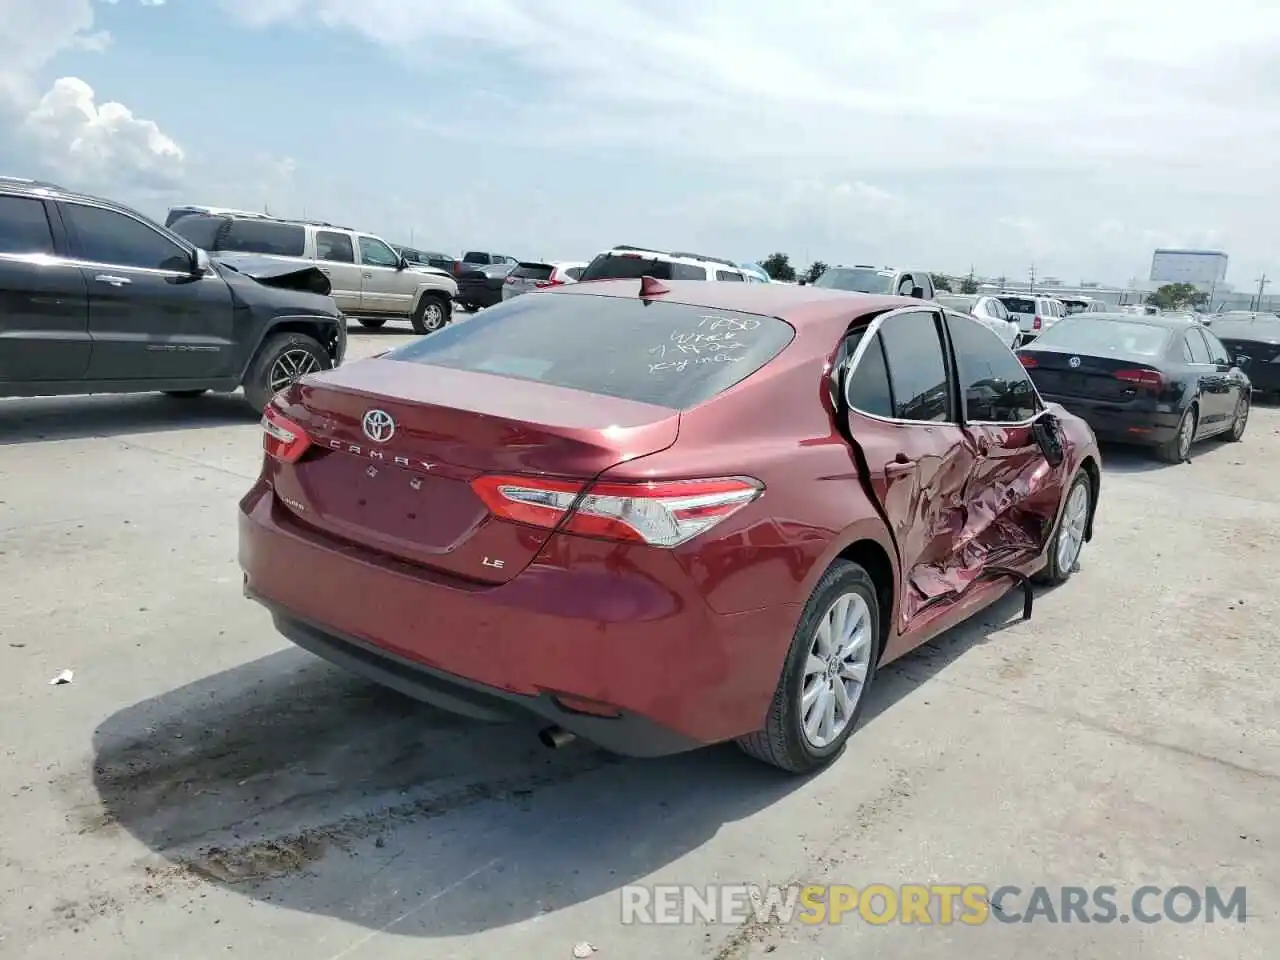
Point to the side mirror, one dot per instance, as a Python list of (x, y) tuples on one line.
[(403, 264), (1242, 361), (917, 292), (200, 264)]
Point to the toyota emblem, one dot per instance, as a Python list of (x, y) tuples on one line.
[(1074, 361), (378, 426)]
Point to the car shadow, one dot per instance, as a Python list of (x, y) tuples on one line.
[(1125, 458), (39, 419), (288, 781)]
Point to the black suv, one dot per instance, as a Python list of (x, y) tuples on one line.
[(96, 298)]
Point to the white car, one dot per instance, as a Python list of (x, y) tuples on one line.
[(1035, 313), (538, 275), (989, 310)]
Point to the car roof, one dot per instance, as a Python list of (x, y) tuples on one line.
[(799, 306), (623, 249)]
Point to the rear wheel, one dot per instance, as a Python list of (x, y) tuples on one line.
[(282, 359), (431, 314), (373, 323), (1068, 539), (1177, 448), (1242, 416), (830, 665)]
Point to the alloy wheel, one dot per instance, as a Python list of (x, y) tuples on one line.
[(289, 366), (1242, 415), (1186, 430), (835, 671), (1075, 517)]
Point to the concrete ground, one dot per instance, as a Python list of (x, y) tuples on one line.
[(203, 789)]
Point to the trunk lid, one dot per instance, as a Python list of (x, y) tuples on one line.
[(409, 496), (1092, 378)]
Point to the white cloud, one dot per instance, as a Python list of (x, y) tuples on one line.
[(64, 129), (96, 142), (1016, 129)]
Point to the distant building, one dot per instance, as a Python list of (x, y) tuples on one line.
[(1204, 269)]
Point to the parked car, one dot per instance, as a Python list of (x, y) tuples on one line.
[(97, 298), (886, 280), (756, 273), (1154, 381), (628, 263), (659, 514), (1033, 313), (481, 287), (428, 258), (1254, 340), (532, 275), (987, 309), (475, 259), (371, 281), (177, 213), (1140, 310)]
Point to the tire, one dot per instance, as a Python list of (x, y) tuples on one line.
[(783, 742), (1177, 448), (1241, 420), (185, 394), (431, 314), (1062, 561), (288, 348), (373, 323)]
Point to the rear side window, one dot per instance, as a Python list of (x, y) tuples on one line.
[(669, 354), (687, 271), (24, 226), (867, 387), (264, 236), (730, 276), (473, 256), (917, 367), (335, 247), (200, 230), (533, 271), (575, 273), (1196, 347)]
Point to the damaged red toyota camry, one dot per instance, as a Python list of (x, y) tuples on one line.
[(659, 515)]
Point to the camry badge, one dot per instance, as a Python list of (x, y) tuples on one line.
[(1074, 362), (378, 426)]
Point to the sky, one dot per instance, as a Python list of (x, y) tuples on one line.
[(1075, 136)]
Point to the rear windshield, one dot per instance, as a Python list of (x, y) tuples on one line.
[(1085, 333), (859, 280), (533, 271), (1018, 304), (670, 354), (472, 256), (957, 303), (260, 236), (631, 266)]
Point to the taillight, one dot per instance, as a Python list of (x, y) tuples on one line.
[(1149, 379), (547, 283), (457, 267), (1028, 361), (511, 280), (663, 513), (282, 439), (1035, 324)]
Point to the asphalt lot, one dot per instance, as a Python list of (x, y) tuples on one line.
[(203, 789)]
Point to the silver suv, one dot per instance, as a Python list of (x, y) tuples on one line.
[(372, 282), (863, 278)]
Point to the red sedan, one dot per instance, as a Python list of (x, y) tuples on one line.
[(664, 515)]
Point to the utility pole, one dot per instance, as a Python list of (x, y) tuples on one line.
[(1032, 273), (1262, 283)]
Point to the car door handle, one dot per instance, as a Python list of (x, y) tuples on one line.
[(113, 280), (900, 466), (368, 276)]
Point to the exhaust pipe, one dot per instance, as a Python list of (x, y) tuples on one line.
[(556, 737)]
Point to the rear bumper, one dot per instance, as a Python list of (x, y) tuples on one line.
[(673, 674), (481, 293), (1118, 423)]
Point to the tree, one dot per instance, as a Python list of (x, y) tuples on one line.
[(941, 282), (816, 269), (1176, 296), (969, 284), (778, 266)]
